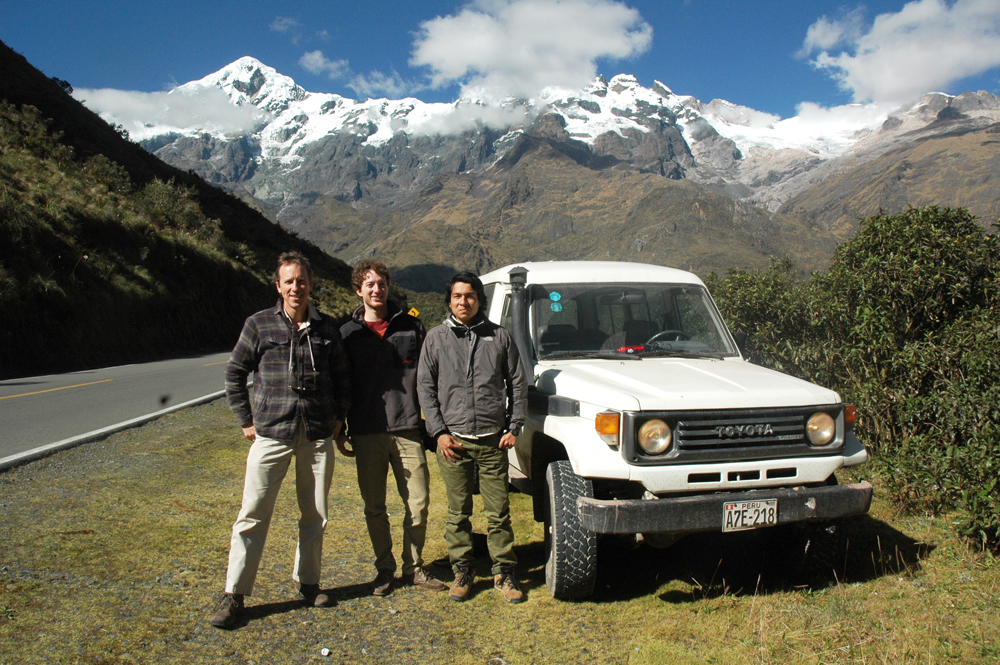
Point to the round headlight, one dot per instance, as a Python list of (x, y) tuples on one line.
[(655, 437), (821, 429)]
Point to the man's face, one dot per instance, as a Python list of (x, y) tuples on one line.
[(374, 291), (294, 286), (464, 302)]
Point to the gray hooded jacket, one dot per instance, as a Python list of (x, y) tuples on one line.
[(470, 380)]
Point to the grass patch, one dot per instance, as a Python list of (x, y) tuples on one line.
[(115, 552)]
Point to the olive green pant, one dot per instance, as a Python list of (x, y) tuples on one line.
[(458, 482)]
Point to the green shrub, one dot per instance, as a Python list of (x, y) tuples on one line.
[(905, 325)]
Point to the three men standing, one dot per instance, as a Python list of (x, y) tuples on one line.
[(465, 375), (473, 392), (383, 345), (300, 399)]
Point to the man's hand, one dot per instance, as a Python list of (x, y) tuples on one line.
[(250, 432), (337, 426), (342, 442), (507, 441), (449, 447)]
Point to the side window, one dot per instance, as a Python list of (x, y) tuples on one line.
[(494, 293), (505, 315), (610, 318)]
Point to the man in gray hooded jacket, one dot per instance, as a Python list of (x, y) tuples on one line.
[(473, 393)]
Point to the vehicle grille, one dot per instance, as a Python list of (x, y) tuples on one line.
[(721, 436), (740, 432)]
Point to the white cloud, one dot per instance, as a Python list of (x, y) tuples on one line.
[(315, 62), (465, 116), (377, 84), (827, 33), (924, 47), (519, 47), (149, 113), (284, 24)]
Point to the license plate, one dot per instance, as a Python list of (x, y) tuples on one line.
[(745, 515)]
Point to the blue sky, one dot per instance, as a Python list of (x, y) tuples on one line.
[(770, 56)]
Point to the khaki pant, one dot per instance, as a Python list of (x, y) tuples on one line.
[(403, 452), (458, 481), (267, 463)]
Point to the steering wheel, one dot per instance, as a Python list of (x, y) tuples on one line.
[(668, 336)]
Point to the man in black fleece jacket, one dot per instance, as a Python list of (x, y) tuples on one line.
[(383, 346)]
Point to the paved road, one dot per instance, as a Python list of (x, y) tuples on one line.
[(42, 410)]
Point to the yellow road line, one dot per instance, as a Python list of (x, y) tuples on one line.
[(39, 392), (221, 362)]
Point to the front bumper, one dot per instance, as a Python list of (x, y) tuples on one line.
[(704, 512)]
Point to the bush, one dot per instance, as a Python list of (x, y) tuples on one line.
[(905, 325)]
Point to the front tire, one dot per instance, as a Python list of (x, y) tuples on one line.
[(570, 548)]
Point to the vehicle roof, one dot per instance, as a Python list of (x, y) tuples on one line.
[(571, 272)]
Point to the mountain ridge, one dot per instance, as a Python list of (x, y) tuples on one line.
[(353, 176)]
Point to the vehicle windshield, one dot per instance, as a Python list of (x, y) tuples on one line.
[(637, 319)]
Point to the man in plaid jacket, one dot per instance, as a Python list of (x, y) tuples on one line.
[(300, 398)]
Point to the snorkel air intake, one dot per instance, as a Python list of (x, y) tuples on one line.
[(519, 319)]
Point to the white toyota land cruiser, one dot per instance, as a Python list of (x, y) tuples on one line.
[(645, 419)]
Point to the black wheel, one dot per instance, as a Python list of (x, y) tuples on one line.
[(810, 553), (571, 550), (824, 550)]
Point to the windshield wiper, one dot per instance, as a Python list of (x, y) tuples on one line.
[(604, 355), (682, 353)]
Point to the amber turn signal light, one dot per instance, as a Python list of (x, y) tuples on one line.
[(607, 426)]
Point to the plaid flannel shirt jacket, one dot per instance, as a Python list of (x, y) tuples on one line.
[(299, 375)]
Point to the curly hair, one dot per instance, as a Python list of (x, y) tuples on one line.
[(365, 267)]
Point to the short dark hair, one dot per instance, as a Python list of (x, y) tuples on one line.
[(473, 281), (298, 259), (365, 267)]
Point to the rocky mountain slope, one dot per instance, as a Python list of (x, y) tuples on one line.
[(614, 170), (108, 255)]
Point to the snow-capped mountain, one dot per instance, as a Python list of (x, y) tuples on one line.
[(614, 171), (735, 150)]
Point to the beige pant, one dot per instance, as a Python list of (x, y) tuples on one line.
[(267, 463), (404, 454)]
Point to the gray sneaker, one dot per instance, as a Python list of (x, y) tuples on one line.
[(382, 586), (421, 578), (227, 611)]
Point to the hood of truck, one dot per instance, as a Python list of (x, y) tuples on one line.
[(662, 384)]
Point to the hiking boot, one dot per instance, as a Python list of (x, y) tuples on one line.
[(313, 596), (422, 579), (505, 584), (382, 586), (227, 611), (463, 584)]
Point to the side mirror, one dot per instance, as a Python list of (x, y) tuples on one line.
[(741, 342)]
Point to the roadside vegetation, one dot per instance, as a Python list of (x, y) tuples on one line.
[(906, 325), (107, 271), (115, 552)]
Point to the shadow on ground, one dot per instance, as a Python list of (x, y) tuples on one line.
[(716, 564)]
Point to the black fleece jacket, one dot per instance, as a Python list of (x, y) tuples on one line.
[(383, 373)]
